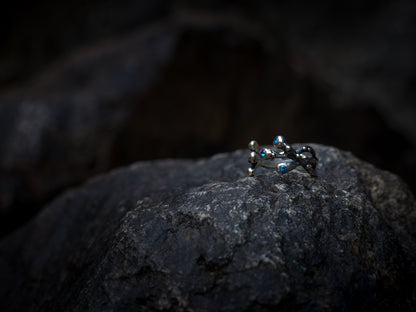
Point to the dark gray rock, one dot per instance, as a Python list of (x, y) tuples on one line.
[(202, 236), (60, 129), (88, 81)]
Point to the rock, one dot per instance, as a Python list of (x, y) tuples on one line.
[(202, 236), (85, 88), (60, 129)]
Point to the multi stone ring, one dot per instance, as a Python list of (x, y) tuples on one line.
[(281, 156)]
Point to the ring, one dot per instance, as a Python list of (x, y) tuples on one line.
[(281, 156)]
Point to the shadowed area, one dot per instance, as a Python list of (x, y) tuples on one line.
[(89, 86)]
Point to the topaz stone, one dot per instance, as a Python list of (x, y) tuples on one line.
[(283, 169), (276, 139), (262, 153)]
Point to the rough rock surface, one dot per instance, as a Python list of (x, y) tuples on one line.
[(202, 236), (88, 80)]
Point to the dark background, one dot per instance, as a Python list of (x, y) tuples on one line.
[(86, 86)]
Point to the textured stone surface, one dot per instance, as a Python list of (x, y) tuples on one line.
[(201, 236), (87, 81)]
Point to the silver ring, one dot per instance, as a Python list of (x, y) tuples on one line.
[(281, 156)]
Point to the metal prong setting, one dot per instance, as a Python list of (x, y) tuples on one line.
[(271, 157)]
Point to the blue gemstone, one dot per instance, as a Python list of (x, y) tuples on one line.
[(283, 169), (262, 153), (276, 139)]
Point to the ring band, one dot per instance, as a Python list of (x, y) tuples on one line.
[(281, 156)]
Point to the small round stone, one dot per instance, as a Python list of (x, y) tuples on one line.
[(283, 168), (279, 140), (250, 172), (262, 153)]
